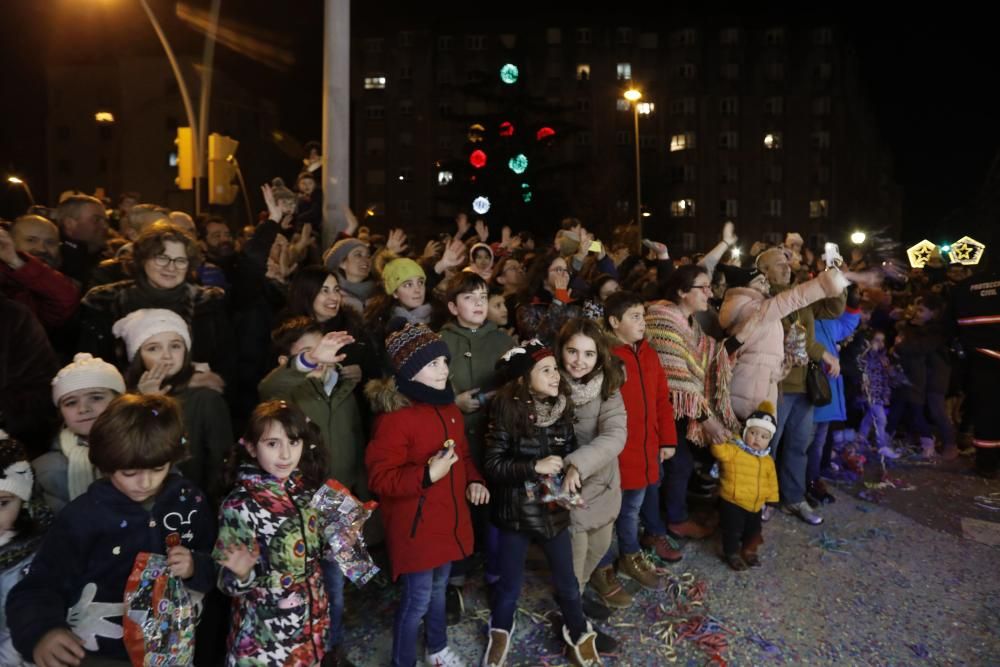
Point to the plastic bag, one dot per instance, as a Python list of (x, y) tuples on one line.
[(795, 347), (343, 516), (548, 489), (159, 618)]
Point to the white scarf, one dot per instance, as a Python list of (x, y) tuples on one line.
[(79, 472)]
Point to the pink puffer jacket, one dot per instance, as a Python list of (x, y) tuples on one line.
[(756, 320)]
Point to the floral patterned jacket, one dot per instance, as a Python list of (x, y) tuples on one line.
[(280, 614)]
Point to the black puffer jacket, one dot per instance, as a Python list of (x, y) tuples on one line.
[(510, 462)]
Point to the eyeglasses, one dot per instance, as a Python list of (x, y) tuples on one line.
[(163, 261), (559, 269), (702, 287)]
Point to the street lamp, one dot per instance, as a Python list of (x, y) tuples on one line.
[(858, 238), (14, 180), (633, 96)]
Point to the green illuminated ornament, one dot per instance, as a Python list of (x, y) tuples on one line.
[(508, 73), (518, 163)]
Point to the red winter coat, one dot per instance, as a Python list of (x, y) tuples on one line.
[(650, 416), (425, 526)]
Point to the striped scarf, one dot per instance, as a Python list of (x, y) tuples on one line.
[(698, 369)]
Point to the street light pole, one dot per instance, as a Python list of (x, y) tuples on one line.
[(633, 96), (185, 98), (14, 180)]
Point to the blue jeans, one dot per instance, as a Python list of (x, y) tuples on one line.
[(678, 471), (627, 523), (816, 451), (795, 423), (513, 549), (422, 597), (333, 580)]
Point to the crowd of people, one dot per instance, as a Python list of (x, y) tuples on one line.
[(175, 386)]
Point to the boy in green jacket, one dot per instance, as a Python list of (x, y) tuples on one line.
[(475, 345)]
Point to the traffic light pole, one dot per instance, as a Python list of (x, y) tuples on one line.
[(207, 62), (185, 98)]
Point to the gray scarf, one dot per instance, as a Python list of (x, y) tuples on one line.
[(547, 413), (584, 392)]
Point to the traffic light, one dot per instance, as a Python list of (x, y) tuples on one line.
[(221, 169), (185, 158)]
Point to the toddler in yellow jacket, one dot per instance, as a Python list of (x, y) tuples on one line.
[(747, 481)]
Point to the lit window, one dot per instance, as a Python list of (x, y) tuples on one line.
[(774, 36), (583, 72), (622, 104), (773, 208), (730, 71), (623, 35), (445, 177), (645, 108), (729, 208), (624, 71), (682, 208), (375, 82), (729, 140), (774, 106), (820, 139), (583, 36), (729, 106), (680, 142), (772, 141), (684, 105), (818, 208), (553, 36), (729, 36)]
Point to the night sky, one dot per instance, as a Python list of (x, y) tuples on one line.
[(930, 78)]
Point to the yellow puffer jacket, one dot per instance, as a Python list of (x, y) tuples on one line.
[(746, 480)]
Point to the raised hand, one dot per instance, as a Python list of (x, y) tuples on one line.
[(432, 249), (150, 381), (328, 350), (729, 234), (273, 212), (454, 255), (461, 224), (482, 231), (396, 242)]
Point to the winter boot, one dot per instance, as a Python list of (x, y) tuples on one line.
[(497, 647), (749, 551), (606, 585), (583, 652), (638, 568)]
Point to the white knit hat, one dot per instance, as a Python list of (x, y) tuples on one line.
[(16, 475), (140, 325), (86, 372)]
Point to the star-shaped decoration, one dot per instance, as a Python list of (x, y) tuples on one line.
[(967, 251), (920, 253)]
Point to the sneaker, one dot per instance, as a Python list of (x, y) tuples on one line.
[(689, 529), (583, 653), (454, 604), (664, 547), (594, 607), (767, 513), (606, 585), (735, 562), (444, 658), (638, 568), (802, 510), (888, 452), (497, 647)]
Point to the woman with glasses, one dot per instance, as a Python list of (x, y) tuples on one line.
[(545, 302), (163, 260)]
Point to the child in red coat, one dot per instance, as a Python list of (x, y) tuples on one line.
[(652, 439), (417, 439)]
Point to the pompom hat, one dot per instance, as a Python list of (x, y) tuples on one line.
[(86, 372)]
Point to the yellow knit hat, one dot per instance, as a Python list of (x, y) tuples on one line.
[(398, 271)]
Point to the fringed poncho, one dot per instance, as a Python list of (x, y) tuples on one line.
[(698, 368)]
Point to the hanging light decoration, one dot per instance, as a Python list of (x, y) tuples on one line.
[(477, 158), (506, 129), (544, 133), (481, 205), (518, 164), (508, 74)]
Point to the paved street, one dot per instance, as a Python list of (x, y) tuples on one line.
[(887, 583)]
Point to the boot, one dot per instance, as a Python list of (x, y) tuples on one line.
[(497, 647), (689, 529), (605, 643), (583, 653), (927, 448), (749, 551), (638, 568), (664, 547), (735, 562), (606, 585), (594, 607)]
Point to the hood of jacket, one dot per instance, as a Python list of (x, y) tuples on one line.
[(737, 298), (384, 395)]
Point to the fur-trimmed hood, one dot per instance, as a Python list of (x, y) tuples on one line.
[(384, 395)]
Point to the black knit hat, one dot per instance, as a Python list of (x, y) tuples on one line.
[(411, 346), (518, 362)]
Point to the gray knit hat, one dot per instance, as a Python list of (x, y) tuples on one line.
[(339, 251)]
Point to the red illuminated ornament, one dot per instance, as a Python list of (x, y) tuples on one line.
[(506, 129), (477, 159), (544, 133)]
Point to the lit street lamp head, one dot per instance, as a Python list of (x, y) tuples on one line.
[(633, 95), (14, 180), (857, 238)]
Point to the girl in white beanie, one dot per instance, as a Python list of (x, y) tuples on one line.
[(158, 348), (82, 390)]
